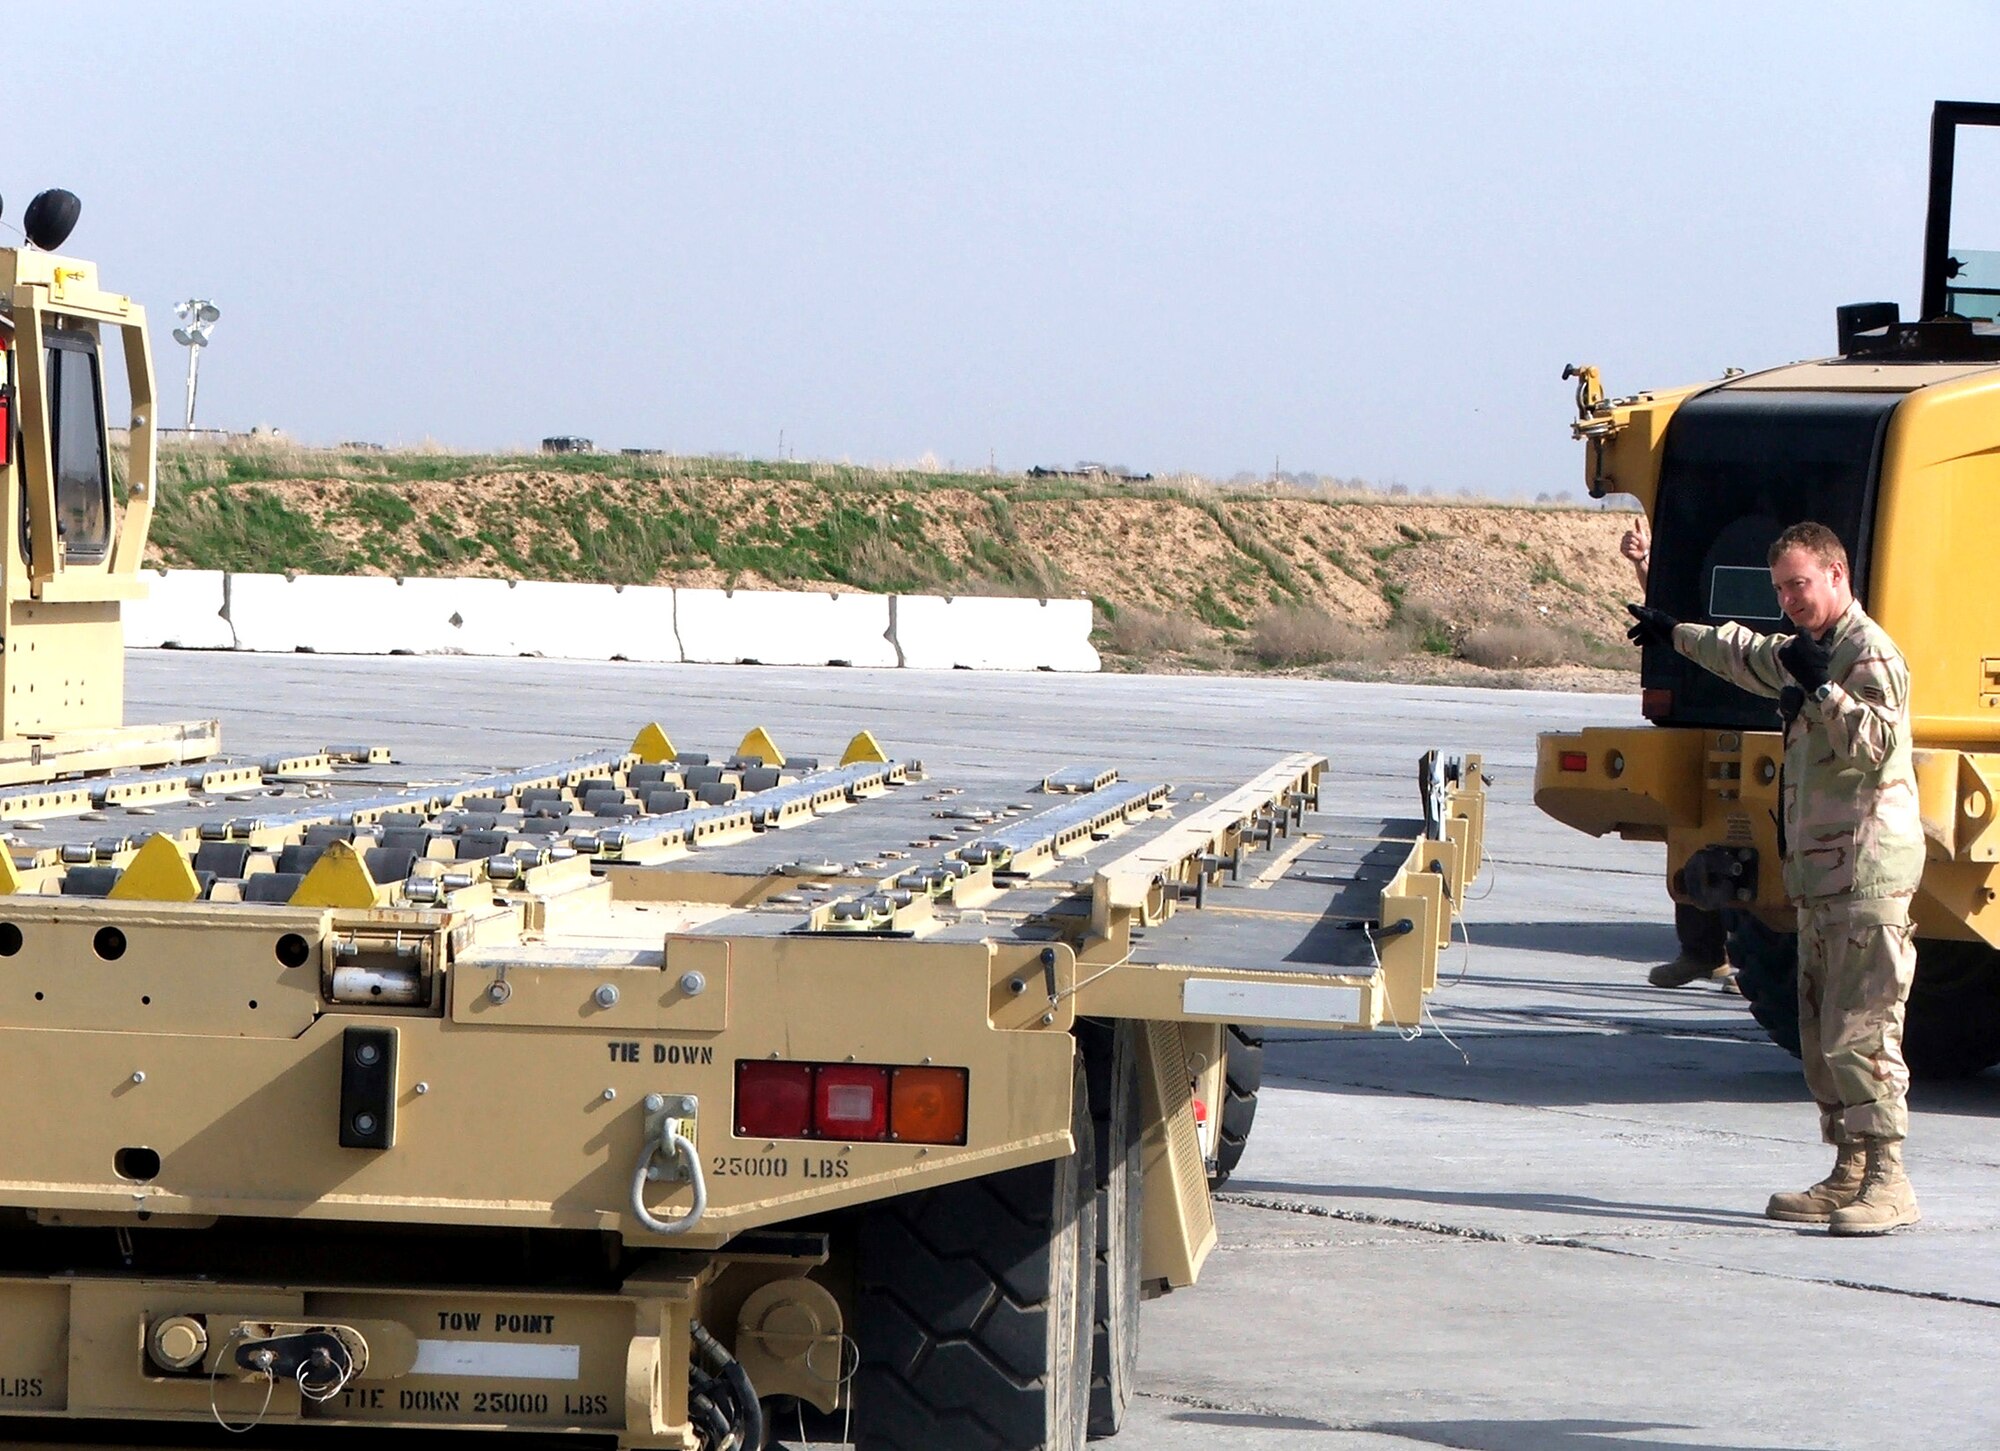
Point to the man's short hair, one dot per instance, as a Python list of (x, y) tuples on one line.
[(1816, 539)]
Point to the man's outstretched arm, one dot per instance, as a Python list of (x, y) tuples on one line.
[(1739, 655)]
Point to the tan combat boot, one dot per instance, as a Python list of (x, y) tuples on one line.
[(1817, 1204), (1681, 971), (1886, 1199)]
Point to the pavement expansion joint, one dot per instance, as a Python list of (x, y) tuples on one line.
[(1626, 1246), (1353, 1241), (1628, 1250), (1386, 1221), (1594, 871), (1253, 1414), (1692, 1132)]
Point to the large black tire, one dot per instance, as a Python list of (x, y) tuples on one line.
[(973, 1307), (1951, 1027), (1767, 972), (1243, 1074), (1111, 1066)]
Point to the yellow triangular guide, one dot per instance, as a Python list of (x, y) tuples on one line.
[(10, 879), (864, 747), (338, 879), (652, 746), (759, 745), (159, 872)]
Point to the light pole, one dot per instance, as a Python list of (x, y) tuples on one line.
[(197, 317)]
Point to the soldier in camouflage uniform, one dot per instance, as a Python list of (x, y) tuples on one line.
[(1853, 846)]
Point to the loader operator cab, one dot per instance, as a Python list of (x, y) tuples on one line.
[(70, 549), (1752, 455), (1738, 468), (79, 458)]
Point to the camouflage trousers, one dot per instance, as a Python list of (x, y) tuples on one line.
[(1856, 958)]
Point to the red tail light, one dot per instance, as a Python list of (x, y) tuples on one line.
[(1573, 761), (851, 1102), (1656, 703), (774, 1100)]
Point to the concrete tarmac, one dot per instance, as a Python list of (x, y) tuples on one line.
[(1540, 1233)]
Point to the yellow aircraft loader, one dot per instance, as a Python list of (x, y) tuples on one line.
[(1895, 444), (644, 1096)]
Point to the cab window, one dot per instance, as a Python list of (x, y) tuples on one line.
[(76, 449)]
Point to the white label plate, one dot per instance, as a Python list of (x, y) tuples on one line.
[(498, 1359), (1278, 1002)]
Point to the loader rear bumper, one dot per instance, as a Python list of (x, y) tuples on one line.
[(1700, 792)]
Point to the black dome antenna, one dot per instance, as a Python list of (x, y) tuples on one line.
[(51, 217)]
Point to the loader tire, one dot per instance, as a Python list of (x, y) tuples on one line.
[(973, 1308), (1111, 1066), (1767, 973), (1951, 1025), (1243, 1072)]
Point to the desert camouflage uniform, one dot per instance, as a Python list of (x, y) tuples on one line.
[(1854, 850)]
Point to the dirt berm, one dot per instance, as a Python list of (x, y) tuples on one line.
[(1186, 575)]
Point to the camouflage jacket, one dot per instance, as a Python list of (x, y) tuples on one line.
[(1849, 799)]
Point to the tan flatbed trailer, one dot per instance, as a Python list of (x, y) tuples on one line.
[(624, 1097)]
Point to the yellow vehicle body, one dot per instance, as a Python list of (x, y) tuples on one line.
[(1934, 525), (1895, 443)]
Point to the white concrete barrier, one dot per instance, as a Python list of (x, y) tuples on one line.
[(182, 608), (593, 621), (968, 632), (347, 615), (458, 616), (783, 627), (376, 615)]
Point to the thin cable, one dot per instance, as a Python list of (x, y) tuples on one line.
[(1444, 1035), (846, 1381), (326, 1391), (1409, 1035), (270, 1386), (1491, 878), (1081, 983)]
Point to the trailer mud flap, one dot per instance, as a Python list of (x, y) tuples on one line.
[(1179, 1217)]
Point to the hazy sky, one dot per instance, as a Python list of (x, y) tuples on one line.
[(1360, 239)]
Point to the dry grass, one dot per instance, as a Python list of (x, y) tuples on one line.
[(1307, 635), (1141, 634), (1519, 644)]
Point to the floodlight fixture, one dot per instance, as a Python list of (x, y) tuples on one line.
[(198, 317)]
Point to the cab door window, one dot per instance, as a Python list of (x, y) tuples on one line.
[(76, 449)]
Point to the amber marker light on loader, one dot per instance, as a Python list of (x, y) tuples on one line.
[(858, 1102)]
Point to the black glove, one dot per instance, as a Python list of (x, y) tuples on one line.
[(1806, 659), (1791, 700), (1654, 627)]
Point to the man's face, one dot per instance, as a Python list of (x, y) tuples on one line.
[(1813, 595)]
